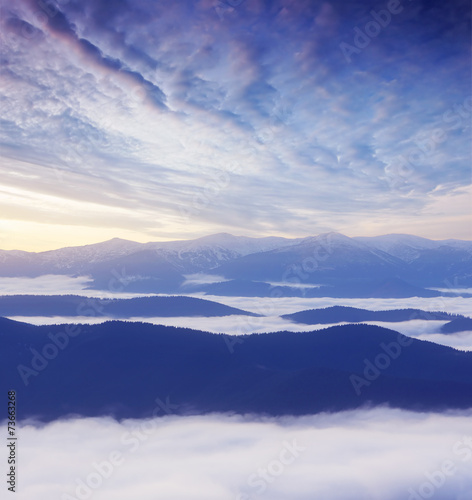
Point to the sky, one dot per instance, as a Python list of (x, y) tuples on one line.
[(158, 120), (375, 454)]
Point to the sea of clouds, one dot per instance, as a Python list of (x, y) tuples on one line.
[(55, 284), (245, 325), (371, 454), (270, 306), (271, 309)]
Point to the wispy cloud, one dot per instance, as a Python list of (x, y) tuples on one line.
[(130, 111)]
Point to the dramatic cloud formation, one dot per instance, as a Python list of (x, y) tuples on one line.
[(153, 119), (377, 454)]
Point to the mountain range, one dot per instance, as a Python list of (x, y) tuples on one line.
[(75, 305), (123, 369), (390, 265), (457, 325), (181, 306), (341, 314)]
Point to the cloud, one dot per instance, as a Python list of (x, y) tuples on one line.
[(51, 284), (379, 454), (135, 108), (462, 340), (270, 308), (246, 325), (202, 279), (288, 305), (55, 284)]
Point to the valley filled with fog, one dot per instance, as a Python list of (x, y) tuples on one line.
[(270, 308), (315, 405), (366, 454), (235, 250)]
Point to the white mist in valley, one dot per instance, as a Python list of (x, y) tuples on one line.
[(377, 454)]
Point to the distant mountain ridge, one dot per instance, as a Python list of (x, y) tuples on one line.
[(185, 255), (75, 305), (329, 259), (348, 264), (341, 314), (408, 247), (373, 288), (457, 325)]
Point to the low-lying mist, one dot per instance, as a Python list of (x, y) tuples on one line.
[(372, 454)]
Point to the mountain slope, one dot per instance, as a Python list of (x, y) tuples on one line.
[(74, 305), (457, 325), (327, 259), (430, 262), (183, 256), (339, 314), (403, 246), (121, 369)]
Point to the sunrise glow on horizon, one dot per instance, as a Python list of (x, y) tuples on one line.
[(156, 122)]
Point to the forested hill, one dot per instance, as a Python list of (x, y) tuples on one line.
[(74, 305), (339, 314), (122, 369)]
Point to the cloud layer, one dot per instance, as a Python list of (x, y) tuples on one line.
[(153, 119), (270, 308), (377, 454)]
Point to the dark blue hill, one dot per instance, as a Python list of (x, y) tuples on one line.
[(74, 305), (339, 288), (457, 325), (121, 368), (338, 314), (144, 271)]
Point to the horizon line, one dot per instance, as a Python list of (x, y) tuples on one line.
[(223, 233)]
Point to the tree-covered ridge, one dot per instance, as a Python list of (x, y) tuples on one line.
[(121, 369), (340, 314), (75, 305)]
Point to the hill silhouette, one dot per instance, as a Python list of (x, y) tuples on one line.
[(75, 305), (461, 324), (339, 314), (121, 369)]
